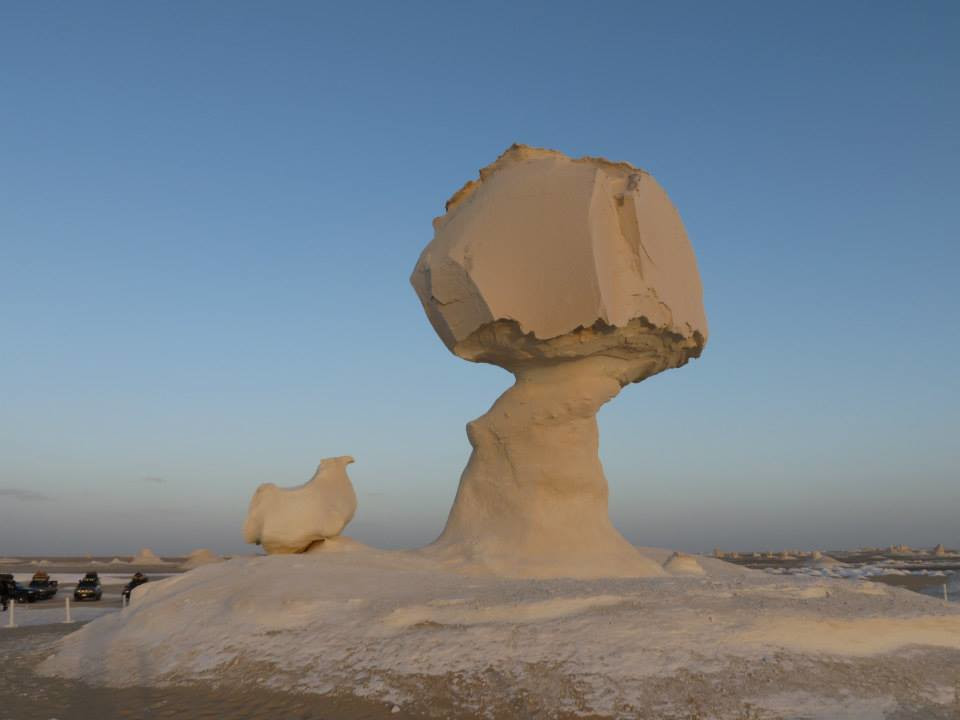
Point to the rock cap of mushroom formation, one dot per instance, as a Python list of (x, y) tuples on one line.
[(146, 556), (682, 564), (549, 256), (200, 556), (290, 520)]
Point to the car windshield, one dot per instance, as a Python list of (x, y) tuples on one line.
[(88, 583)]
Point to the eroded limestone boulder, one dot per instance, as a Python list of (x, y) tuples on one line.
[(575, 275), (290, 520)]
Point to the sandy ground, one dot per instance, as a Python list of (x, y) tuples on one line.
[(787, 681), (395, 629), (25, 695)]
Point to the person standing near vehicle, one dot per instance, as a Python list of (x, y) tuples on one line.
[(5, 592)]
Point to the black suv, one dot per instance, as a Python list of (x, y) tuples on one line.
[(137, 580), (43, 585), (88, 588)]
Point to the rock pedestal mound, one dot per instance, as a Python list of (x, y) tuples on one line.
[(290, 520), (575, 275)]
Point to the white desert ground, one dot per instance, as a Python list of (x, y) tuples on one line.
[(355, 632), (575, 275)]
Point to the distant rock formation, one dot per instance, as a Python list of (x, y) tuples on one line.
[(199, 557), (682, 564), (818, 559), (146, 556), (575, 275), (289, 520), (939, 551)]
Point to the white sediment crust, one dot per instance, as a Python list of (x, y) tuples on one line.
[(397, 627)]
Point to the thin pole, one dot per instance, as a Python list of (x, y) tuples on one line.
[(67, 603), (10, 620)]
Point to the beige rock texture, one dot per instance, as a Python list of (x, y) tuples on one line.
[(939, 551), (290, 520), (575, 275)]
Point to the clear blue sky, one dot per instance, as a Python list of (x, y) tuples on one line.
[(209, 213)]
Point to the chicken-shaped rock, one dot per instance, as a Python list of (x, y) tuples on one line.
[(290, 520)]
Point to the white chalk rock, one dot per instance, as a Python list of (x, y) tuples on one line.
[(939, 551), (575, 275), (682, 564), (289, 520)]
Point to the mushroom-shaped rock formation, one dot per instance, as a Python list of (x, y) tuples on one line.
[(578, 278), (682, 564), (146, 556), (939, 551), (200, 556), (289, 520)]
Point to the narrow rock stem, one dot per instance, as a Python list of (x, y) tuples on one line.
[(532, 500)]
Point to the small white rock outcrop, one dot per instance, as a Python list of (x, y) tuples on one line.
[(290, 520)]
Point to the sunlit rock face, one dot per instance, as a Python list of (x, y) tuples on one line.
[(577, 276), (546, 248), (290, 520)]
